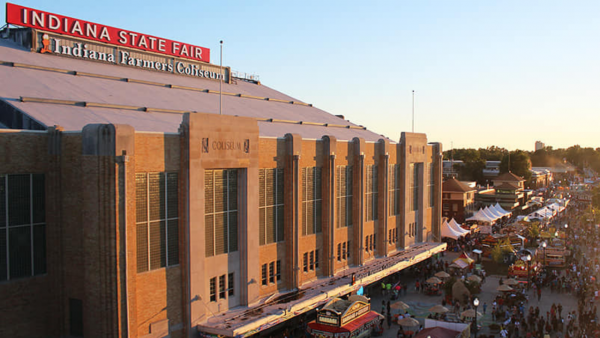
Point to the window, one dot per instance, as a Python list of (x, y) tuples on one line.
[(414, 186), (454, 207), (431, 185), (305, 260), (230, 284), (75, 317), (446, 207), (348, 250), (344, 196), (339, 252), (316, 259), (394, 189), (390, 236), (221, 211), (344, 250), (367, 243), (22, 226), (213, 289), (312, 260), (157, 220), (311, 201), (374, 241), (222, 287), (272, 272), (278, 270), (370, 242), (371, 193), (271, 208), (264, 274)]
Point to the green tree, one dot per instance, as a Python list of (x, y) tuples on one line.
[(520, 164)]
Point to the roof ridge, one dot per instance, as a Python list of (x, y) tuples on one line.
[(150, 83), (170, 111)]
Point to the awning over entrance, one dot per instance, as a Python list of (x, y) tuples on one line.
[(243, 322), (352, 329)]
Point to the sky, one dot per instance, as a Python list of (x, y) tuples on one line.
[(504, 73)]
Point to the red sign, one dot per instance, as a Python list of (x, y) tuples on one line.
[(29, 17)]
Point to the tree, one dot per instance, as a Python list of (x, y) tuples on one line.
[(520, 164), (501, 249)]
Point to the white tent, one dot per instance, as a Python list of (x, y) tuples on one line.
[(502, 211), (447, 231), (454, 225), (480, 216), (492, 211), (491, 216)]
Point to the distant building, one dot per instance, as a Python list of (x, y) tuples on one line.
[(509, 191), (491, 170), (540, 177), (458, 200), (539, 145), (450, 168)]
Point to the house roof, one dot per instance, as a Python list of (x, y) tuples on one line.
[(58, 90), (509, 177), (507, 186), (452, 184)]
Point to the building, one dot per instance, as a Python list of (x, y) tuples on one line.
[(508, 190), (539, 145), (451, 168), (129, 207), (491, 170), (458, 200)]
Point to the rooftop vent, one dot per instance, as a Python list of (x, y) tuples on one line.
[(245, 76)]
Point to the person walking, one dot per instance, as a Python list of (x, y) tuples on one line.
[(484, 307), (539, 292)]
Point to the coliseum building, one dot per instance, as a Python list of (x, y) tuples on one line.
[(130, 207)]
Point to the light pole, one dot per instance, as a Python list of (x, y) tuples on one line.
[(544, 246), (476, 304), (528, 259)]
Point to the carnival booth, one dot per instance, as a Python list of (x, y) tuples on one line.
[(522, 270), (346, 319)]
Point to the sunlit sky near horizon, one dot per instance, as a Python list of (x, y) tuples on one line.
[(504, 73)]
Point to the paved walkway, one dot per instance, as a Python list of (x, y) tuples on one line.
[(420, 303)]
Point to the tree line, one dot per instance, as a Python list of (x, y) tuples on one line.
[(520, 161)]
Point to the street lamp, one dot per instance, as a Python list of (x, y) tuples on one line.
[(476, 304), (544, 246), (528, 259)]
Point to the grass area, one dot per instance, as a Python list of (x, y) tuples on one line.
[(493, 268)]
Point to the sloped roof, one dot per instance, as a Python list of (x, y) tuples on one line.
[(452, 184), (509, 177), (507, 186), (141, 98)]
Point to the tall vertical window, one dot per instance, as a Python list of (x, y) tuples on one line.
[(272, 272), (222, 287), (312, 260), (431, 185), (339, 251), (221, 211), (157, 220), (311, 201), (305, 261), (414, 186), (213, 289), (278, 270), (394, 189), (230, 284), (264, 275), (316, 259), (344, 196), (371, 193), (22, 226), (270, 193)]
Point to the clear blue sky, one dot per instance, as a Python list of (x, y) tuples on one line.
[(503, 73)]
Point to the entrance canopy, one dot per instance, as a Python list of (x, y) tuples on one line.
[(352, 329)]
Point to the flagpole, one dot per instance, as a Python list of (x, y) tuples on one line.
[(221, 80)]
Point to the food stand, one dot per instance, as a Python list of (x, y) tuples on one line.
[(345, 319), (518, 270)]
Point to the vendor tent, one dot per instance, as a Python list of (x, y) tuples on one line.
[(502, 211), (454, 225), (448, 232), (494, 212), (480, 216)]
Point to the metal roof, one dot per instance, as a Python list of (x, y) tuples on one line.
[(34, 75)]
